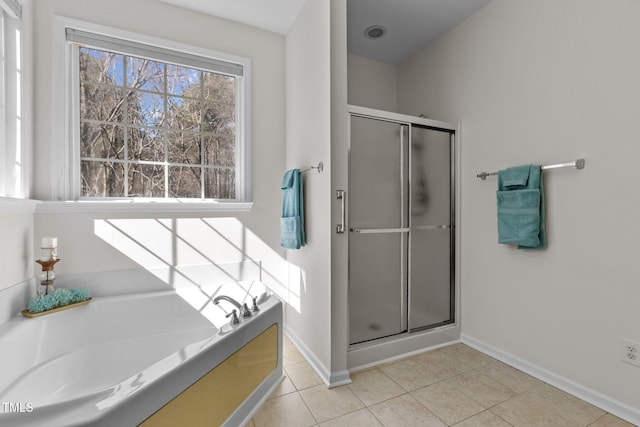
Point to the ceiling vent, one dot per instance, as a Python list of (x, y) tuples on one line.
[(375, 32)]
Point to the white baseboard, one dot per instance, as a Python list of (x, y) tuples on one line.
[(603, 402), (339, 378), (331, 379)]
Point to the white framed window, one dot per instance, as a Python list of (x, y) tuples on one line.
[(11, 156), (151, 119)]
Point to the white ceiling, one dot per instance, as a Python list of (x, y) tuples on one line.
[(411, 24), (271, 15)]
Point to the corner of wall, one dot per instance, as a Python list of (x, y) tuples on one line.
[(15, 298), (308, 138), (339, 181)]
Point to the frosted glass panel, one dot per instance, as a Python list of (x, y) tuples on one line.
[(377, 263), (430, 278), (430, 281), (375, 174), (430, 177), (375, 291)]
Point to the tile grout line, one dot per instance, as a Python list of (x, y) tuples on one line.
[(475, 415), (375, 368), (406, 392), (308, 409), (494, 376)]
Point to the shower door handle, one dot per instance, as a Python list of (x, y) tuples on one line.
[(431, 227), (340, 196), (378, 230)]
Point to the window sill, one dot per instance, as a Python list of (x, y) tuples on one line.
[(9, 205), (141, 206)]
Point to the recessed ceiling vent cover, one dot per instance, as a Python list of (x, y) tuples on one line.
[(375, 32)]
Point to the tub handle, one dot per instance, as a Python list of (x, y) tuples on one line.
[(234, 317), (245, 311), (255, 307)]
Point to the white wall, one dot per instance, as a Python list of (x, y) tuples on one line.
[(339, 181), (17, 255), (372, 83), (545, 82), (16, 251), (308, 127), (92, 242)]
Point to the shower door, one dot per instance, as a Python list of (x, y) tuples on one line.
[(400, 228), (431, 223), (378, 229)]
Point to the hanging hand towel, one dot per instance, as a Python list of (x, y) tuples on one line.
[(515, 178), (521, 217), (292, 222)]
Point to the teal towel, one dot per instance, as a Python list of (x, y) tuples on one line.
[(514, 178), (521, 216), (292, 234)]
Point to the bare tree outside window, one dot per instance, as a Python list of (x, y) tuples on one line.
[(153, 129)]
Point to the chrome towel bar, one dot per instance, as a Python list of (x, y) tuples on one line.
[(320, 168), (578, 164)]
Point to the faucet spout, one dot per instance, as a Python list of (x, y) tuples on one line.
[(243, 309), (219, 298)]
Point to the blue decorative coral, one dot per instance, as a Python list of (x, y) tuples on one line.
[(58, 298)]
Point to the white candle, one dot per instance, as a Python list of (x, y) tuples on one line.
[(49, 242), (50, 248)]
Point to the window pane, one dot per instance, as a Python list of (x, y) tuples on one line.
[(219, 183), (219, 88), (219, 151), (104, 103), (145, 74), (145, 109), (184, 181), (145, 144), (101, 141), (183, 81), (183, 114), (102, 179), (146, 180), (218, 118), (97, 66), (183, 148)]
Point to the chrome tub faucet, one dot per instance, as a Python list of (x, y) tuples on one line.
[(243, 309)]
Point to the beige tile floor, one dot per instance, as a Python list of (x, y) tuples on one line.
[(450, 386)]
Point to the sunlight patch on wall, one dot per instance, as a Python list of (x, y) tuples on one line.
[(296, 281), (146, 242), (202, 258)]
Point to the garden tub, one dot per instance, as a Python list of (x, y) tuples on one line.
[(137, 360)]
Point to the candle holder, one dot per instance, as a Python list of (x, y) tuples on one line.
[(47, 276), (47, 261)]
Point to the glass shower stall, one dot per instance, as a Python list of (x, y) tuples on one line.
[(401, 225)]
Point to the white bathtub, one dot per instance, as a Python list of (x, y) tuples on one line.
[(117, 360)]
